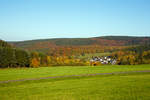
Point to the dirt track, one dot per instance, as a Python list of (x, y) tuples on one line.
[(73, 76)]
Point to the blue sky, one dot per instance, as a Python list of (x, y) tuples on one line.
[(38, 19)]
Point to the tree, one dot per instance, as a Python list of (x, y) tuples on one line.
[(22, 58), (35, 62)]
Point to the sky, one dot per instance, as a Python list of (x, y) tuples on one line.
[(41, 19)]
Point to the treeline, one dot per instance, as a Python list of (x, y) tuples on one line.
[(129, 40), (70, 55), (11, 57), (82, 50), (39, 59), (133, 55), (56, 56)]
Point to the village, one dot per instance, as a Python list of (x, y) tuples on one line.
[(102, 60)]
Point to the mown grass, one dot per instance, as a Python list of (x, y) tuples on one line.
[(134, 86), (111, 87), (21, 73)]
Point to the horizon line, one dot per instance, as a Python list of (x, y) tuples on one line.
[(78, 37)]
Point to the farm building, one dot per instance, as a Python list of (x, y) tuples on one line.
[(102, 60)]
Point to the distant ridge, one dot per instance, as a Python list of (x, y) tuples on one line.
[(102, 37), (101, 41)]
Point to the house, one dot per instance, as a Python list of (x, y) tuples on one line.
[(103, 60)]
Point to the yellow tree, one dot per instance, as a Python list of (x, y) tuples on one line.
[(35, 62), (48, 60)]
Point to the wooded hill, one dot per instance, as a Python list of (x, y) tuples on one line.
[(45, 44), (67, 52)]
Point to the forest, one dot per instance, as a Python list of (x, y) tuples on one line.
[(54, 52)]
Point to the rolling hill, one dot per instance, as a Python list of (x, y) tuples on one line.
[(44, 44)]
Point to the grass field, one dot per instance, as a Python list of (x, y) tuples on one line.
[(89, 56), (107, 87), (20, 73)]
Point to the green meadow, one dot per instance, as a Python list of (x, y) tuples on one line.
[(134, 86), (89, 56)]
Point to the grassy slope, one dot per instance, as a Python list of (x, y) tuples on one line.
[(116, 87), (13, 74), (89, 56)]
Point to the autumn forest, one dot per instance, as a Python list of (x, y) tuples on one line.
[(72, 52)]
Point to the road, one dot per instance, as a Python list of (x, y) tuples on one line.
[(74, 76)]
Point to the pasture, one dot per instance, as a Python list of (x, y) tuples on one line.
[(89, 56), (106, 87)]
